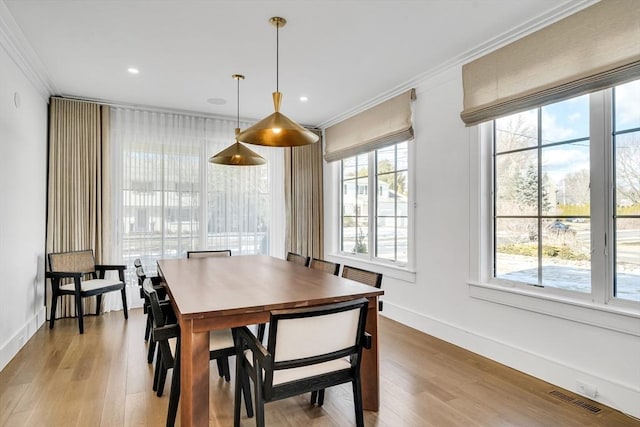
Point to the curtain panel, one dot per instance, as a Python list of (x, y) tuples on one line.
[(169, 199), (596, 48), (78, 196), (385, 124), (304, 199)]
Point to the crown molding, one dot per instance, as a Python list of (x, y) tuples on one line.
[(562, 10), (23, 55)]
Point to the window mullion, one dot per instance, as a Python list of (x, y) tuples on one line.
[(373, 205), (601, 255)]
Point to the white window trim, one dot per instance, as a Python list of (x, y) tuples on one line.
[(333, 228), (596, 309)]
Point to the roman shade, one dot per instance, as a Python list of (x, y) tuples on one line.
[(387, 123), (590, 50)]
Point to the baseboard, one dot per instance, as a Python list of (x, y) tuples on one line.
[(615, 394), (13, 345)]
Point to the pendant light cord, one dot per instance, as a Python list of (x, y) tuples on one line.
[(277, 55), (238, 105)]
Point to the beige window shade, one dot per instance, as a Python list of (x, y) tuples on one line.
[(385, 124), (593, 49)]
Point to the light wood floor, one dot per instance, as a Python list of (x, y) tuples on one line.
[(102, 378)]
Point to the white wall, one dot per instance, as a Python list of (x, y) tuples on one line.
[(23, 145), (438, 301)]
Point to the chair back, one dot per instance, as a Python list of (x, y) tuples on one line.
[(298, 259), (309, 336), (326, 266), (72, 262), (208, 254), (363, 276)]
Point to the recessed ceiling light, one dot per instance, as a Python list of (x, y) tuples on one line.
[(133, 70), (217, 101), (304, 99)]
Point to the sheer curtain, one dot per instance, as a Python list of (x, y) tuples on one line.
[(169, 199)]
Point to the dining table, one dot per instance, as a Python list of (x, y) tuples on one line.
[(226, 292)]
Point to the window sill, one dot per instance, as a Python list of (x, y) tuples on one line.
[(614, 318), (387, 270)]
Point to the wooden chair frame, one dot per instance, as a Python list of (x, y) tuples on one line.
[(206, 254), (298, 259), (75, 265), (326, 266), (162, 332), (263, 365)]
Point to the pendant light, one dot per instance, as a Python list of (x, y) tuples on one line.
[(277, 130), (237, 154)]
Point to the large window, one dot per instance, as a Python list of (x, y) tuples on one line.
[(375, 198), (170, 199), (566, 204)]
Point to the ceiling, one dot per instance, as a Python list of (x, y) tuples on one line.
[(341, 54)]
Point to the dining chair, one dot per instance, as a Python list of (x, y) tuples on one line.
[(208, 254), (359, 275), (87, 280), (363, 276), (157, 284), (326, 266), (298, 259), (167, 336), (307, 349)]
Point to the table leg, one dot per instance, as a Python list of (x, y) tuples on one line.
[(194, 376), (370, 369)]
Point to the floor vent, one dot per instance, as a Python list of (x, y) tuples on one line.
[(577, 402), (587, 406)]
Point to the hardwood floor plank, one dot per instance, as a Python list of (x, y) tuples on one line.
[(101, 378)]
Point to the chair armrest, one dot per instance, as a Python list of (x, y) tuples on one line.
[(61, 275), (169, 314), (252, 343), (156, 281), (367, 341), (165, 332)]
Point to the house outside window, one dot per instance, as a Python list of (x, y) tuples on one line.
[(375, 224)]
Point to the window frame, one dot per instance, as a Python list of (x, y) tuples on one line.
[(599, 308), (399, 269)]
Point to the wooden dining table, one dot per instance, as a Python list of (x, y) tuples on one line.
[(223, 292)]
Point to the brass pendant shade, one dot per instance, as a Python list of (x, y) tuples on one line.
[(277, 130), (237, 154)]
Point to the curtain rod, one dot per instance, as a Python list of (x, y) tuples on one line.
[(188, 113)]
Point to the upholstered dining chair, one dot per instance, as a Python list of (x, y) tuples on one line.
[(167, 337), (87, 280), (326, 266), (298, 259), (208, 254), (359, 275), (307, 349)]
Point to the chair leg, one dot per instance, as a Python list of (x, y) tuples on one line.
[(314, 397), (259, 397), (162, 378), (174, 394), (321, 397), (79, 310), (124, 302), (357, 402), (225, 368), (54, 303), (220, 369), (147, 330), (246, 390), (156, 372), (98, 304), (237, 395), (152, 350)]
